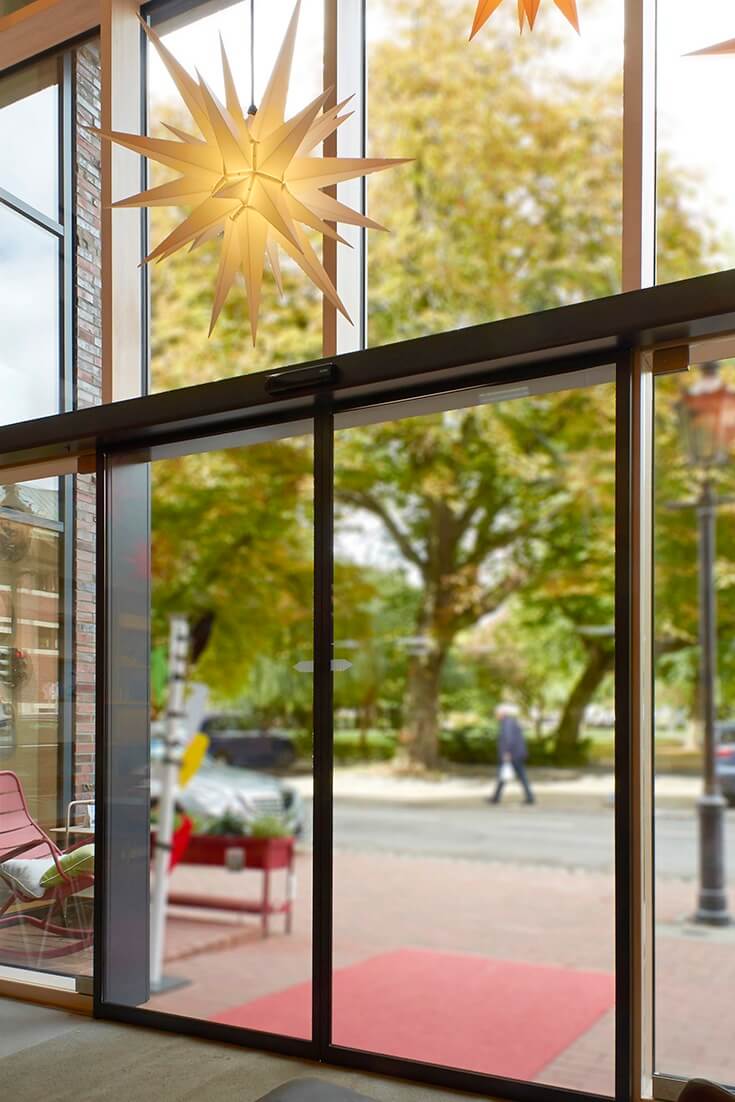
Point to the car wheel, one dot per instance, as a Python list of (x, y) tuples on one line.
[(222, 757), (730, 797)]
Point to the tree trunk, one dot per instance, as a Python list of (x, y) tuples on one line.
[(367, 719), (600, 661), (421, 728)]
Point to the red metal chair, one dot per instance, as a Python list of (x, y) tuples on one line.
[(43, 935)]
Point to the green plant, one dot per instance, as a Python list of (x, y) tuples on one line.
[(227, 824), (269, 826), (232, 825)]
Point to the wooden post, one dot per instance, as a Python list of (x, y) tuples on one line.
[(122, 297)]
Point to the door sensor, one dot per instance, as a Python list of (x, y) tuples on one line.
[(301, 378)]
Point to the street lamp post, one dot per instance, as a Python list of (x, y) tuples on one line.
[(707, 413)]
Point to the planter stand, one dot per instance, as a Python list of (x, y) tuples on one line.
[(237, 853)]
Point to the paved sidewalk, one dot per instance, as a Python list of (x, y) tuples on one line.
[(537, 915), (553, 788)]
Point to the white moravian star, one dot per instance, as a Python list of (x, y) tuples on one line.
[(255, 180)]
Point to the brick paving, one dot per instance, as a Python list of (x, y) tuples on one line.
[(537, 915)]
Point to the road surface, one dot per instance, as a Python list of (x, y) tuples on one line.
[(516, 834)]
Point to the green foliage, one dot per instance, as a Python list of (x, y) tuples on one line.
[(231, 825), (232, 539), (479, 746), (513, 202), (498, 519), (351, 746), (269, 826)]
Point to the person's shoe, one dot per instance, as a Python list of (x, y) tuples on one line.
[(532, 801)]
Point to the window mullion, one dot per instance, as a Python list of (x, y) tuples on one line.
[(639, 145)]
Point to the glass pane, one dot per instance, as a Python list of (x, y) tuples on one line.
[(29, 319), (182, 288), (513, 200), (29, 105), (46, 731), (694, 744), (474, 644), (696, 205), (232, 557)]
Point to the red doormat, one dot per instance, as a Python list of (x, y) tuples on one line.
[(500, 1017)]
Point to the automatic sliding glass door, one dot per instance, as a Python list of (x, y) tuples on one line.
[(474, 739), (217, 875), (399, 630)]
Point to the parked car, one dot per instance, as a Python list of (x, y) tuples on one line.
[(233, 741), (725, 760), (217, 790)]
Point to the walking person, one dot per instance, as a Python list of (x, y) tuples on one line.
[(512, 752)]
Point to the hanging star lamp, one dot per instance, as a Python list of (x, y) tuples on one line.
[(527, 12), (251, 178)]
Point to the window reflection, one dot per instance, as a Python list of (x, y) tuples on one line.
[(29, 319), (29, 105), (29, 632)]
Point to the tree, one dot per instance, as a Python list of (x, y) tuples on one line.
[(469, 499), (232, 536), (512, 204)]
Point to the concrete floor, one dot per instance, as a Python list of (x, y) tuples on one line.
[(23, 1025), (47, 1054)]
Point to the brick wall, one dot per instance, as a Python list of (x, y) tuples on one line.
[(88, 390)]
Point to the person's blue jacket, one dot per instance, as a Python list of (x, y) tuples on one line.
[(511, 740)]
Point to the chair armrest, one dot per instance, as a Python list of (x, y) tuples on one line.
[(78, 845), (24, 849)]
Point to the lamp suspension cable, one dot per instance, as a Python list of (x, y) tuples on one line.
[(252, 109)]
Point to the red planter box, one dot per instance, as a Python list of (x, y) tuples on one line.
[(264, 854), (258, 853)]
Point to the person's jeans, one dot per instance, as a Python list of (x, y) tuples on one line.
[(520, 772)]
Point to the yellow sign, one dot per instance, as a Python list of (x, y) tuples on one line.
[(193, 758)]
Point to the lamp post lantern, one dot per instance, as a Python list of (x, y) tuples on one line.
[(707, 418)]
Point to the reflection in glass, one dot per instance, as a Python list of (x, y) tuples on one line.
[(29, 319), (694, 750), (46, 921), (232, 553), (29, 105), (474, 609)]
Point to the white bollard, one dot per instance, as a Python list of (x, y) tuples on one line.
[(178, 651)]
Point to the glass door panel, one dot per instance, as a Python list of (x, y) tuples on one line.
[(474, 652), (47, 624), (230, 672)]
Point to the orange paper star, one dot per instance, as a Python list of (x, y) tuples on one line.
[(252, 179), (527, 12), (727, 47)]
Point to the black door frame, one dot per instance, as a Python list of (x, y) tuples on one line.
[(122, 525)]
